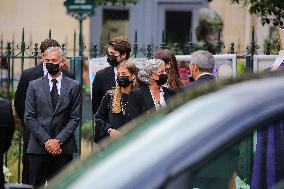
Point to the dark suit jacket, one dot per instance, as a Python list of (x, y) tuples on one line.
[(201, 79), (104, 81), (7, 122), (106, 119), (140, 100), (27, 76), (20, 95), (43, 122), (6, 132)]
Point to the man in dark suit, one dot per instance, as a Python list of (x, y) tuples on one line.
[(118, 51), (20, 97), (52, 114), (201, 66), (6, 132)]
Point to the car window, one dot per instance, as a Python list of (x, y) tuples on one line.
[(255, 161)]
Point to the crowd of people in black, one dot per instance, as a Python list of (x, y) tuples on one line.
[(47, 102), (121, 92)]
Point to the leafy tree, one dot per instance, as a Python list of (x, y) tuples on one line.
[(268, 10)]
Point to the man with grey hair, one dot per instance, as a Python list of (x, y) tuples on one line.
[(28, 75), (201, 66), (52, 113)]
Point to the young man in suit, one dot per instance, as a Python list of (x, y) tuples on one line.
[(20, 97), (201, 67), (6, 132), (118, 51), (52, 114)]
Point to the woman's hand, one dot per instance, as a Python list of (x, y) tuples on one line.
[(113, 133)]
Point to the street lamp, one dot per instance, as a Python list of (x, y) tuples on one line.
[(80, 10)]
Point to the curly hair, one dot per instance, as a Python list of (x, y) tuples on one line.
[(121, 45), (147, 69), (116, 101), (48, 43)]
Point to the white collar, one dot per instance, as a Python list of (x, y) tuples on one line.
[(115, 73), (44, 69), (204, 73), (58, 84), (59, 78)]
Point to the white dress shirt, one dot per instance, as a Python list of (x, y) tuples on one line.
[(161, 103), (162, 99), (44, 69), (58, 84), (115, 73)]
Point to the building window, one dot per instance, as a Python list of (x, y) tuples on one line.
[(178, 24), (115, 22)]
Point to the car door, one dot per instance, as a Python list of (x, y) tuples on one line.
[(251, 159)]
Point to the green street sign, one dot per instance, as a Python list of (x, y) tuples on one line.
[(80, 7)]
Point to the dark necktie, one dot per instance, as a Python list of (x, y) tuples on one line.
[(54, 93)]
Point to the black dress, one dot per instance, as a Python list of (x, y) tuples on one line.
[(141, 101), (106, 119)]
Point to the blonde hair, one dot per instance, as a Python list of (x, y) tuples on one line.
[(116, 101)]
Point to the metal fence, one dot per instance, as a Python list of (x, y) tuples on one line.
[(16, 57)]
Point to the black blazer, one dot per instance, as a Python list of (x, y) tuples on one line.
[(140, 100), (104, 81), (6, 132), (45, 122), (106, 119), (27, 76), (20, 95), (6, 123), (201, 79)]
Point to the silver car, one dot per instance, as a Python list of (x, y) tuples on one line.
[(203, 139)]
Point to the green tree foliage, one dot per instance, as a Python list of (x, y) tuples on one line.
[(270, 11)]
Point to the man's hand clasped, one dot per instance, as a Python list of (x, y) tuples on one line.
[(53, 146)]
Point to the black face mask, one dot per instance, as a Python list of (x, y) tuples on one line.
[(123, 81), (112, 60), (52, 69), (163, 78)]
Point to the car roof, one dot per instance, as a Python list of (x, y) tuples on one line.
[(183, 137)]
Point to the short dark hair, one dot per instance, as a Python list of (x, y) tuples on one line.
[(121, 45), (48, 43)]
